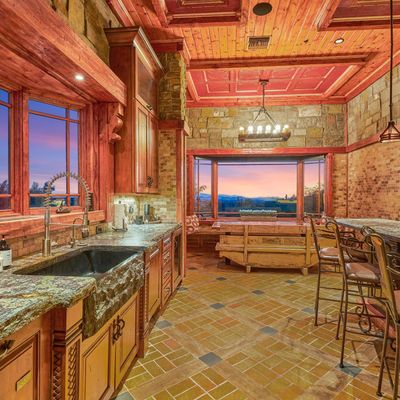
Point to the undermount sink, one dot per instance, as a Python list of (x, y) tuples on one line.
[(85, 263)]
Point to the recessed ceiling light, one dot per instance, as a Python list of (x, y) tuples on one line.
[(79, 77), (339, 40), (261, 9)]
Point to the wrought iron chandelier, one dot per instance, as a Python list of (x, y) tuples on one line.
[(391, 133), (269, 132)]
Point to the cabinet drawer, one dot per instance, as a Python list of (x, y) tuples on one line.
[(167, 272), (167, 258), (167, 241), (166, 291)]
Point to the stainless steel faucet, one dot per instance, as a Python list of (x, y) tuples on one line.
[(46, 245)]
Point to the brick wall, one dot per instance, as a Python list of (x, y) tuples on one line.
[(23, 246), (312, 125), (88, 18), (368, 112), (373, 171), (374, 181)]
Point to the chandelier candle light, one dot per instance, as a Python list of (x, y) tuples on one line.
[(270, 132)]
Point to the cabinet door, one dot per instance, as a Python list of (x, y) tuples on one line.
[(177, 264), (126, 347), (152, 155), (24, 368), (97, 366), (154, 296), (141, 149)]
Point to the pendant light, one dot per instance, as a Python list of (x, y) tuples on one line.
[(391, 133), (271, 132)]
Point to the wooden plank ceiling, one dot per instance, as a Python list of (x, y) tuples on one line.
[(302, 60)]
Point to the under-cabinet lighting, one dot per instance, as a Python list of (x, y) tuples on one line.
[(79, 77), (339, 40)]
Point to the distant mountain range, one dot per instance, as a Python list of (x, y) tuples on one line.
[(206, 196)]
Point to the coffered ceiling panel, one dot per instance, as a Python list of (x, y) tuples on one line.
[(234, 85)]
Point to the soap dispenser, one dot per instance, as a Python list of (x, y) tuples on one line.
[(5, 254)]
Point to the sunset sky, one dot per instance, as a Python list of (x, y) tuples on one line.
[(47, 148), (258, 180)]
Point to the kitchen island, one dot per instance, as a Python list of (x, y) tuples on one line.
[(69, 337), (261, 244)]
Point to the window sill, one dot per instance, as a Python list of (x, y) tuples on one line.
[(25, 225)]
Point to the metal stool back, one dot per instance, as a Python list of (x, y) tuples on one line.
[(387, 266), (324, 242)]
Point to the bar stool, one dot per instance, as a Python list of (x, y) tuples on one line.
[(387, 266), (356, 260), (327, 257)]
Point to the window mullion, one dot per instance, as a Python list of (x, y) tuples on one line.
[(214, 188)]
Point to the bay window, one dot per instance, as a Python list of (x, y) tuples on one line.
[(225, 186)]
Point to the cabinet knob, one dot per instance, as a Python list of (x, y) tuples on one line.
[(149, 107), (150, 181)]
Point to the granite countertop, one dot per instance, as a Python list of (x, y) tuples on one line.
[(23, 298), (386, 227)]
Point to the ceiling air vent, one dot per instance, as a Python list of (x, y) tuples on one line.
[(258, 42)]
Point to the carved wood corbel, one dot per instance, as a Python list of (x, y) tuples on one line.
[(110, 121)]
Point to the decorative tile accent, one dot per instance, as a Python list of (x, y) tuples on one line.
[(210, 359), (290, 281), (349, 369), (217, 306), (257, 291), (221, 278), (268, 330), (182, 289), (163, 324), (308, 310), (123, 396)]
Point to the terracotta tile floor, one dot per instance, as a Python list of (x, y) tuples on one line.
[(231, 335)]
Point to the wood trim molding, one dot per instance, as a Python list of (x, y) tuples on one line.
[(120, 11), (280, 62), (172, 46), (290, 151), (135, 36), (363, 143)]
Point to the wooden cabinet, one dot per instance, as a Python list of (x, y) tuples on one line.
[(146, 151), (177, 258), (107, 356), (25, 362), (152, 260), (136, 155)]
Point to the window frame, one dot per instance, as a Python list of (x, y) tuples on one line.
[(19, 150), (68, 120), (11, 163), (300, 156)]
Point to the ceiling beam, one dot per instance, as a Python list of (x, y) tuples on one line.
[(161, 10), (279, 62), (36, 33)]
